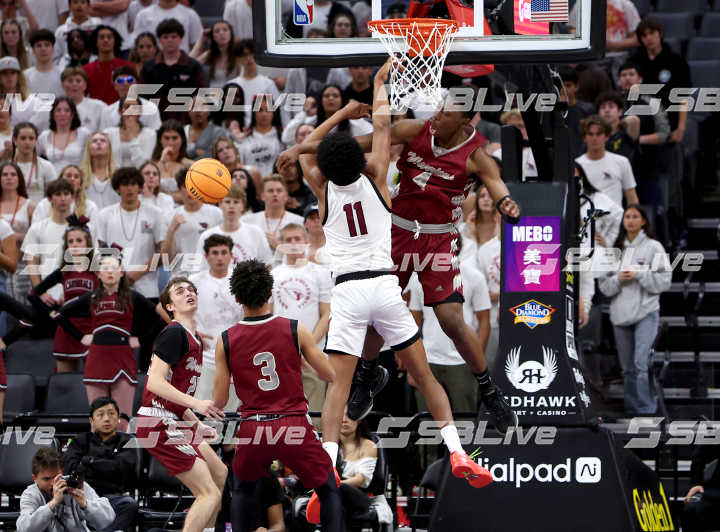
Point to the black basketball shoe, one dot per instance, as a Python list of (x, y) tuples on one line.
[(364, 391), (501, 414)]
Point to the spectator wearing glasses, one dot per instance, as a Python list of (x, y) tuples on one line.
[(107, 44), (79, 19), (123, 78)]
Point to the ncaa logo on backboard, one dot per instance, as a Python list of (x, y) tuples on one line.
[(303, 14), (588, 470)]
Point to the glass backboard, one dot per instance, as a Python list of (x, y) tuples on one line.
[(295, 33)]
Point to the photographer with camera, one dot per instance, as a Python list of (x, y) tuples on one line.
[(60, 503), (101, 456)]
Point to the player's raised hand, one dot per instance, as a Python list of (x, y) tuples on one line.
[(286, 158), (510, 210), (381, 76), (354, 110), (208, 409)]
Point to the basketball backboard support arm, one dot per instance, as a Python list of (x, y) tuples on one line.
[(276, 48)]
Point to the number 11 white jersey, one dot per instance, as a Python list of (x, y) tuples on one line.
[(357, 228)]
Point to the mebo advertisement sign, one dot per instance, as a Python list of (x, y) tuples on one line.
[(532, 255)]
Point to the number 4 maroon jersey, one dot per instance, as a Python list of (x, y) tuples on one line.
[(264, 359), (433, 180)]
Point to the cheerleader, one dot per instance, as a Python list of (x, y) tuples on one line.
[(76, 280), (117, 315)]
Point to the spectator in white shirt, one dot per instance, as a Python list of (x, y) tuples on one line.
[(124, 78), (12, 43), (239, 14), (608, 172), (42, 246), (135, 228), (79, 18), (132, 143), (261, 145), (9, 10), (98, 166), (135, 7), (64, 142), (189, 221), (275, 216), (445, 362), (81, 205), (151, 189), (301, 291), (45, 75), (13, 82), (217, 308), (6, 130), (38, 172), (251, 81), (316, 235), (250, 243), (49, 13), (113, 13), (149, 18), (171, 155)]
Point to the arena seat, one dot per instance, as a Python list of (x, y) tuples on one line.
[(31, 356), (165, 510), (677, 45), (422, 508), (673, 6), (210, 11), (66, 395), (678, 25), (19, 396), (703, 49), (705, 73), (710, 26), (643, 6), (137, 398)]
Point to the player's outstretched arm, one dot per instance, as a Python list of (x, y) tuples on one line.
[(157, 383), (379, 160), (481, 164), (315, 357), (221, 386)]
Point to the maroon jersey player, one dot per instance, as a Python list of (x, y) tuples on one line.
[(263, 353), (168, 399), (439, 159)]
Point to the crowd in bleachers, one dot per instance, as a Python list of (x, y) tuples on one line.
[(80, 167)]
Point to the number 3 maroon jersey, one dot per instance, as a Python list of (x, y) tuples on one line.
[(433, 180), (183, 352), (264, 359)]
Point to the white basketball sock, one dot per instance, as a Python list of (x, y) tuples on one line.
[(449, 433), (332, 447)]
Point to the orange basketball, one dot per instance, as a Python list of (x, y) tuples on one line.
[(208, 180)]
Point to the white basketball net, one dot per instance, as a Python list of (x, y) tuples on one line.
[(418, 49)]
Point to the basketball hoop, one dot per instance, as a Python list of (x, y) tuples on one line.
[(418, 48)]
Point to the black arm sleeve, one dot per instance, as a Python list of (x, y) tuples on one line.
[(144, 314), (47, 283), (171, 344), (74, 305)]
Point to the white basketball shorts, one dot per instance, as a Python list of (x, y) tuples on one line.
[(357, 304)]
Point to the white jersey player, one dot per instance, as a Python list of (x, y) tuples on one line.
[(354, 204)]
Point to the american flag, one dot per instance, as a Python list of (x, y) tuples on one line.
[(549, 10)]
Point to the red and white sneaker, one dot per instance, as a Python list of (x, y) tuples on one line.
[(312, 511), (463, 467)]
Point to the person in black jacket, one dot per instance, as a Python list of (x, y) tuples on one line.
[(105, 461), (702, 503)]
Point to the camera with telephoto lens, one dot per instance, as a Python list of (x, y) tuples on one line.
[(74, 480)]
